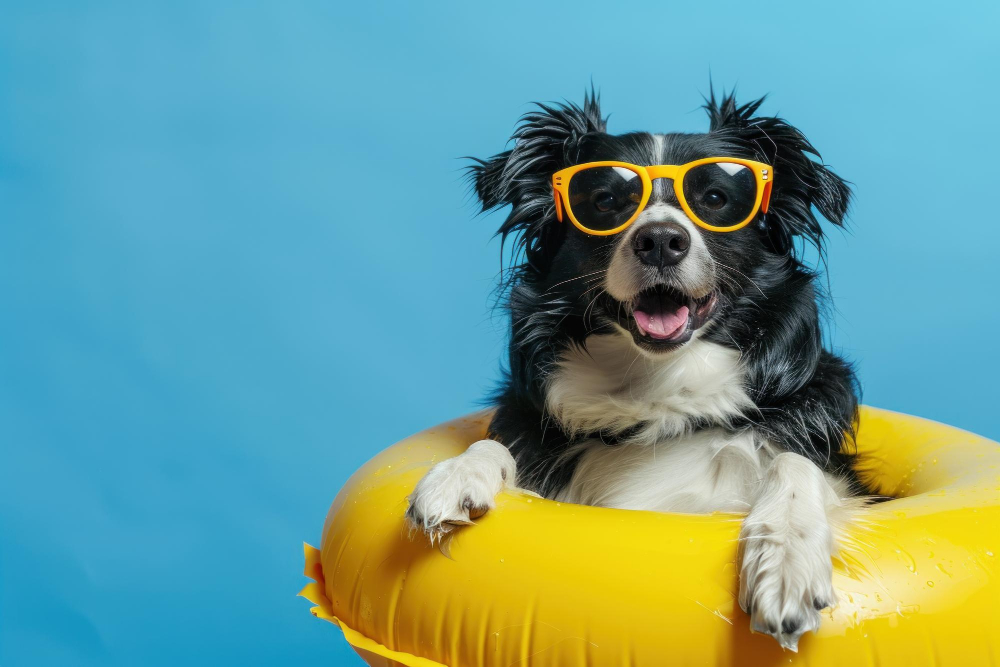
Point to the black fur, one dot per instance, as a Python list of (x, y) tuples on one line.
[(806, 396)]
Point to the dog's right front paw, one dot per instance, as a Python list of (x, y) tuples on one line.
[(459, 490)]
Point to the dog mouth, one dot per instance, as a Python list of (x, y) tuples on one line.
[(662, 317)]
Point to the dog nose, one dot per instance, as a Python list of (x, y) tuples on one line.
[(661, 244)]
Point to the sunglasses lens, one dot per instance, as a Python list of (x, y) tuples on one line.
[(604, 198), (721, 194)]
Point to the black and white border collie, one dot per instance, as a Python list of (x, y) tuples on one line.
[(741, 410)]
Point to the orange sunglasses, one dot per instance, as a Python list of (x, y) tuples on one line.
[(720, 194)]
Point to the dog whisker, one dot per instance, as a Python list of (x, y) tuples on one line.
[(569, 280), (725, 266)]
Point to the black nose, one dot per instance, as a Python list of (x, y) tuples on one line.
[(661, 244)]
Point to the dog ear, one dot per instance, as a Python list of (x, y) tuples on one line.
[(801, 183), (545, 141)]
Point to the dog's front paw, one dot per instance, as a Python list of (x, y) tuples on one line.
[(458, 490), (786, 578)]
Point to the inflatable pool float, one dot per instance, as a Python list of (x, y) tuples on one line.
[(537, 582)]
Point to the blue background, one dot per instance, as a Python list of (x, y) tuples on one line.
[(237, 258)]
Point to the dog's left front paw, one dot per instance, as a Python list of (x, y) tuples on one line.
[(786, 579)]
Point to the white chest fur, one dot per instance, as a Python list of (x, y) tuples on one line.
[(710, 470), (666, 466), (612, 386)]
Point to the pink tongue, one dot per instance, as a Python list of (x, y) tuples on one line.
[(661, 324)]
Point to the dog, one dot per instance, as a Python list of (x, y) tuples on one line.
[(665, 349)]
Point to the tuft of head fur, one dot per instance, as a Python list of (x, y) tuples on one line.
[(801, 183), (543, 143)]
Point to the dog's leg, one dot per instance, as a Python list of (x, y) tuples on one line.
[(786, 545), (460, 489)]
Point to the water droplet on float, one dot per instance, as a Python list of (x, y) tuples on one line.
[(911, 565), (989, 553), (930, 584)]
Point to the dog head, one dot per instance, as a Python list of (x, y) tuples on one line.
[(663, 279)]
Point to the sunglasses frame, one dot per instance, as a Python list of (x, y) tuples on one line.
[(764, 174)]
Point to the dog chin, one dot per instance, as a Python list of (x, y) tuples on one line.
[(662, 319)]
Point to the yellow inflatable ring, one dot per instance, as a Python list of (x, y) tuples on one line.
[(537, 582)]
